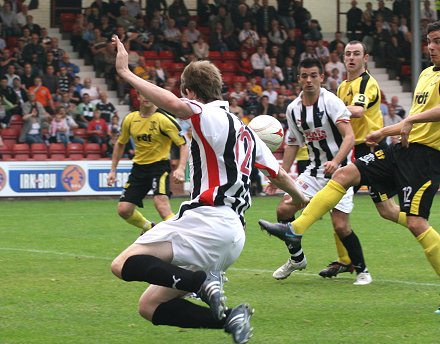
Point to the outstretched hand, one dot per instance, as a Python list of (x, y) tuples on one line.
[(372, 139), (121, 56)]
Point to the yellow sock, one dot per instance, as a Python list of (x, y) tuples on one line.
[(342, 251), (402, 219), (321, 203), (169, 217), (430, 241), (138, 220)]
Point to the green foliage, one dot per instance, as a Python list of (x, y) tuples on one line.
[(56, 285)]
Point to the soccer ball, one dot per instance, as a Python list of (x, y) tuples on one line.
[(269, 130)]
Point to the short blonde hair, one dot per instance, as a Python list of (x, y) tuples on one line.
[(204, 79)]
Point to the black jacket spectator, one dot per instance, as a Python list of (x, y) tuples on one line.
[(264, 17), (354, 21), (204, 12)]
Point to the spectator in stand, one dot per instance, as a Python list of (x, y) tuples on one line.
[(205, 11), (90, 90), (66, 103), (102, 7), (289, 72), (125, 19), (269, 78), (256, 86), (294, 41), (235, 108), (369, 11), (247, 33), (384, 11), (322, 52), (72, 68), (192, 32), (276, 70), (9, 20), (310, 51), (314, 31), (11, 75), (223, 17), (133, 7), (156, 6), (106, 107), (240, 16), (259, 60), (248, 46), (265, 43), (77, 85), (33, 28), (34, 48), (85, 111), (97, 129), (21, 16), (368, 29), (269, 91), (142, 70), (398, 109), (244, 66), (114, 9), (403, 27), (428, 13), (35, 118), (28, 76), (50, 80), (218, 40), (201, 48), (276, 35), (178, 11), (106, 27), (381, 38), (265, 107), (26, 35), (338, 39), (333, 81), (251, 101), (21, 93), (59, 128), (354, 21), (265, 14), (394, 56), (42, 94), (172, 34), (159, 74), (50, 61), (390, 119), (184, 49), (5, 111), (238, 93), (301, 15), (285, 12), (276, 53)]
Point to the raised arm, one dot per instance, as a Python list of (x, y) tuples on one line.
[(162, 98)]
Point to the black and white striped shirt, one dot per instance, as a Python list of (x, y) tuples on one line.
[(315, 126), (223, 153)]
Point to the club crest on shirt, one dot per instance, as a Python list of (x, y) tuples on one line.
[(153, 125)]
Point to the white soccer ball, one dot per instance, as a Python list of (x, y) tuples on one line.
[(269, 130)]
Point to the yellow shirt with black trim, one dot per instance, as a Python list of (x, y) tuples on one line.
[(152, 136), (363, 91), (426, 96)]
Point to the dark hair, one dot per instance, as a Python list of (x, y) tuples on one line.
[(358, 42), (435, 26), (309, 63)]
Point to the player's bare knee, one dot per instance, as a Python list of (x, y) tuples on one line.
[(124, 211), (116, 266), (347, 176)]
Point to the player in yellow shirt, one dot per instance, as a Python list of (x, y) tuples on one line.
[(412, 167), (153, 131), (361, 93)]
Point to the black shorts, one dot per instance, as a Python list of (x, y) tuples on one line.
[(144, 178), (413, 171), (378, 193)]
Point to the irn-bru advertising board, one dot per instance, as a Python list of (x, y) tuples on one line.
[(60, 178)]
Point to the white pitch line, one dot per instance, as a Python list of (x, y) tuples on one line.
[(81, 256)]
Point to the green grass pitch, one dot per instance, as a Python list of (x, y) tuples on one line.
[(56, 285)]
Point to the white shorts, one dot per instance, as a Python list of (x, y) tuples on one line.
[(204, 238), (311, 185)]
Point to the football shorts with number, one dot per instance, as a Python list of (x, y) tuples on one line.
[(413, 171), (143, 178)]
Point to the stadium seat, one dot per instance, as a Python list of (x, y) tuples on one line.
[(10, 133), (231, 55), (80, 132), (150, 55), (92, 151), (21, 151), (240, 78), (228, 67), (5, 152), (67, 21), (57, 151), (228, 78), (16, 122), (75, 151), (176, 67), (38, 148), (166, 54), (40, 156), (205, 31), (215, 55)]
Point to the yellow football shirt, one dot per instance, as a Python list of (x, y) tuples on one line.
[(152, 136), (426, 96), (363, 91)]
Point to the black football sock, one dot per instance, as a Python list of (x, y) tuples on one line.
[(296, 252), (145, 268), (185, 314), (354, 249)]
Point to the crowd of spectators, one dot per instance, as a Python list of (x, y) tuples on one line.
[(257, 47)]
